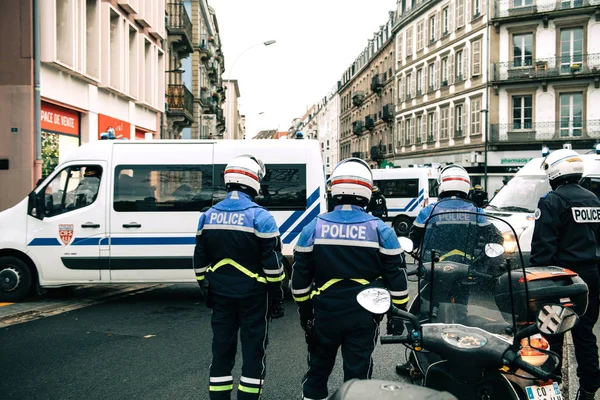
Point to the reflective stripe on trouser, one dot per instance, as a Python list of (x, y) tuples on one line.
[(357, 337), (239, 267), (249, 316), (221, 384)]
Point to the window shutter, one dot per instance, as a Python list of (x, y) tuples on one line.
[(424, 80), (483, 5), (466, 124), (419, 35), (450, 69), (460, 13), (451, 122), (476, 58), (399, 55), (424, 128), (451, 18), (438, 25), (436, 130), (401, 89), (436, 82), (465, 71), (401, 133), (425, 32), (468, 12), (409, 42), (413, 82)]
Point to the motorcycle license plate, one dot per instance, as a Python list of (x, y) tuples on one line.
[(548, 392)]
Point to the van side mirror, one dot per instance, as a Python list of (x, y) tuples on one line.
[(36, 207)]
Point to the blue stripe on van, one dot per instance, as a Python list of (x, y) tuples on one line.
[(44, 242), (292, 235), (91, 241), (417, 203), (297, 214)]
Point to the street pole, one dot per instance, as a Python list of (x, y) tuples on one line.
[(485, 166), (37, 102)]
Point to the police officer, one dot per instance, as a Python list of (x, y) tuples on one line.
[(337, 255), (478, 196), (238, 266), (566, 234), (377, 206)]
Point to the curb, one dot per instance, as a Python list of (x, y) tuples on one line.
[(53, 309)]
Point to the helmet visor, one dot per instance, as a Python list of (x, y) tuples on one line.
[(353, 159)]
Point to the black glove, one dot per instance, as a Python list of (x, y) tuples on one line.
[(395, 326), (206, 293), (276, 309), (310, 335)]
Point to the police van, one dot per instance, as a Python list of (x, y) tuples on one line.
[(407, 191), (127, 211), (517, 201)]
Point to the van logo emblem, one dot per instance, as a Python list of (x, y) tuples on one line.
[(65, 231)]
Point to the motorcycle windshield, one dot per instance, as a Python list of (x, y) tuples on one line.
[(472, 272)]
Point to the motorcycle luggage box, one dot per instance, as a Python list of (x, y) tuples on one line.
[(545, 285), (356, 389)]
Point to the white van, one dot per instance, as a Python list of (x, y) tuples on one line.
[(127, 211), (517, 201), (407, 191)]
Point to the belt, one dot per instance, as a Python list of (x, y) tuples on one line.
[(239, 267), (332, 282)]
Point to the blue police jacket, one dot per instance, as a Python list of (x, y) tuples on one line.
[(238, 249), (343, 252)]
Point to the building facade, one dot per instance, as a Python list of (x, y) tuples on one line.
[(367, 101), (231, 109), (102, 67), (328, 132), (207, 65)]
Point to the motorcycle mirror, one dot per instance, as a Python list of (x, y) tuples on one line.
[(493, 250), (555, 319), (406, 244), (375, 300)]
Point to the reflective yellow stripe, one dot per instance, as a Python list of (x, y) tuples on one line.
[(248, 389), (220, 388), (241, 268), (361, 281), (324, 287), (403, 301), (301, 299), (200, 278), (278, 279), (455, 252)]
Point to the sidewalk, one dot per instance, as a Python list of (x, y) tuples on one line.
[(570, 381)]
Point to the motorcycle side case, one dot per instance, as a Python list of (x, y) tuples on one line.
[(545, 285), (356, 389)]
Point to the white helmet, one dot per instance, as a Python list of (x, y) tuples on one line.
[(245, 170), (454, 178), (563, 163), (352, 177)]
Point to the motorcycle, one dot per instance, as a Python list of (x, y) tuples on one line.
[(471, 332)]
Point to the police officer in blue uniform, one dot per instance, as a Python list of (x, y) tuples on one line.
[(237, 261), (567, 234), (337, 255)]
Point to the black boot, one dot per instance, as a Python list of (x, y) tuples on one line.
[(404, 369), (581, 394)]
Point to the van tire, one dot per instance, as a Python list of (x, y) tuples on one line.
[(15, 279), (402, 225)]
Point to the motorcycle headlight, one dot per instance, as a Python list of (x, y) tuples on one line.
[(511, 243)]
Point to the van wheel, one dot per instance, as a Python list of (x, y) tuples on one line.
[(402, 225), (15, 279)]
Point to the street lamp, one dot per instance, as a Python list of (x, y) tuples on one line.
[(267, 43)]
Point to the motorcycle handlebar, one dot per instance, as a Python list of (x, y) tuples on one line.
[(535, 371), (393, 339)]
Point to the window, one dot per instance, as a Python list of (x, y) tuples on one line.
[(133, 62), (399, 51), (522, 3), (419, 129), (420, 33), (459, 66), (522, 113), (476, 50), (433, 188), (327, 144), (73, 188), (459, 120), (476, 8), (446, 21), (143, 188), (419, 82), (65, 43), (522, 49), (409, 132), (408, 86), (445, 71), (399, 188), (592, 184), (92, 38), (475, 117), (571, 50), (115, 50), (571, 114), (460, 13), (431, 127), (444, 123), (282, 188), (409, 42), (432, 29), (431, 78)]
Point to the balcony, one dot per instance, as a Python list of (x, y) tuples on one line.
[(562, 67), (358, 98), (206, 100), (377, 152), (553, 131), (179, 26), (369, 123), (357, 127), (377, 83), (180, 101), (204, 48), (388, 113), (358, 154), (523, 9)]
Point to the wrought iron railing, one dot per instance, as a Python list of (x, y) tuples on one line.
[(377, 82), (571, 129), (358, 98), (538, 68), (178, 20), (388, 113), (369, 122), (357, 127), (180, 100), (516, 8), (357, 154)]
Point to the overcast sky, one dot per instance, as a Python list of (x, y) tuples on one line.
[(316, 41)]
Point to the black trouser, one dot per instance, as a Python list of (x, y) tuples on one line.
[(356, 333), (249, 316), (586, 347)]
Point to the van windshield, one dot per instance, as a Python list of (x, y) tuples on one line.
[(592, 184), (521, 194)]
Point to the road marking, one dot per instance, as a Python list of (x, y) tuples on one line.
[(5, 304)]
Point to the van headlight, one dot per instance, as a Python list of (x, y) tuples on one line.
[(511, 243)]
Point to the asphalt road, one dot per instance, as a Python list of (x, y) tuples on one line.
[(153, 345)]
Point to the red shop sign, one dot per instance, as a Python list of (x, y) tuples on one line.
[(122, 128), (59, 120)]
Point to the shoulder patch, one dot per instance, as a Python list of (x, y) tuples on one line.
[(546, 195), (537, 214)]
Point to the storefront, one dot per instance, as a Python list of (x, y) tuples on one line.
[(122, 128), (60, 134)]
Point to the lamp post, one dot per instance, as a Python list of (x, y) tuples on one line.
[(267, 43), (485, 152)]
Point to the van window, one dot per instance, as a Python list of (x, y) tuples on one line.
[(434, 186), (73, 188), (282, 188), (399, 188), (591, 184), (140, 188), (521, 194)]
